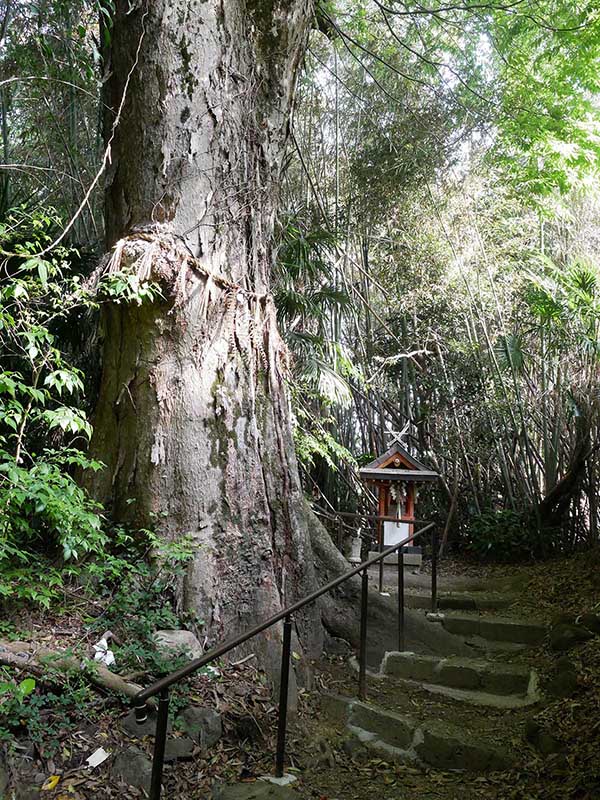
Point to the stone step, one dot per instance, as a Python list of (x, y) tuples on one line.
[(401, 738), (495, 629), (482, 682), (459, 601)]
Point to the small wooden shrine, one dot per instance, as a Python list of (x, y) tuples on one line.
[(396, 475)]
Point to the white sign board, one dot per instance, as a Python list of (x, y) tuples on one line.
[(394, 532)]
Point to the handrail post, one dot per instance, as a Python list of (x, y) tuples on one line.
[(283, 695), (362, 663), (434, 560), (382, 560), (401, 645), (160, 740), (141, 712)]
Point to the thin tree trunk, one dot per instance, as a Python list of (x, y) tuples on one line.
[(452, 509), (5, 177)]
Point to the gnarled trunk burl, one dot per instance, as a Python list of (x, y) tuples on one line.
[(193, 421)]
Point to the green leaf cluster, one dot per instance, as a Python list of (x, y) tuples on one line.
[(43, 511)]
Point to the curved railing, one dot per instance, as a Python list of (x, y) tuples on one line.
[(161, 686)]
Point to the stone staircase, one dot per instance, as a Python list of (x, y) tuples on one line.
[(465, 710), (450, 712), (435, 743), (480, 682), (462, 601), (483, 629)]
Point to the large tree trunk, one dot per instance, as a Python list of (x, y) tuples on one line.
[(193, 420)]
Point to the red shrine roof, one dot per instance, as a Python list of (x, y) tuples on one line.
[(397, 464)]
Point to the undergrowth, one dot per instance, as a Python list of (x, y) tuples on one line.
[(58, 550)]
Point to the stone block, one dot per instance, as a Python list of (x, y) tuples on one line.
[(564, 684), (411, 666), (565, 636), (179, 749), (508, 630), (417, 601), (457, 602), (335, 707), (537, 737), (565, 664), (487, 602), (133, 768), (506, 679), (591, 622), (445, 747), (459, 673), (394, 729), (495, 629), (563, 619), (203, 725), (462, 626), (178, 642)]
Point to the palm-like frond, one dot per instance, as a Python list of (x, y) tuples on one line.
[(509, 352), (306, 296)]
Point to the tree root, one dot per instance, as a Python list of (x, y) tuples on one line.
[(37, 661), (340, 610)]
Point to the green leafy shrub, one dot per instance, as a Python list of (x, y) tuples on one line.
[(43, 713), (44, 507), (44, 513), (503, 536)]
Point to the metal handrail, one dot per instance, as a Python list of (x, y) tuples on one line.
[(161, 687), (339, 516)]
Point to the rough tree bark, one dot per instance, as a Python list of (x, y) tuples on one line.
[(193, 421)]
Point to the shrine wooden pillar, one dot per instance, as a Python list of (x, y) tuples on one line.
[(382, 507)]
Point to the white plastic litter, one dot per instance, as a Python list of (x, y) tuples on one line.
[(103, 654), (435, 616), (97, 757), (285, 780)]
